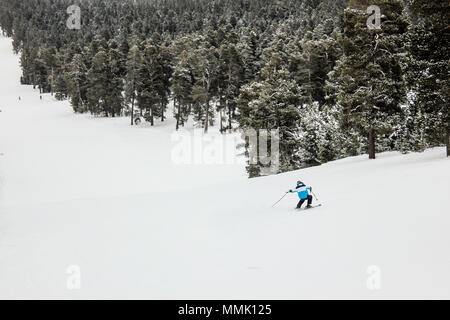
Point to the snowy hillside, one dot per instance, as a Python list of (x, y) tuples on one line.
[(138, 225)]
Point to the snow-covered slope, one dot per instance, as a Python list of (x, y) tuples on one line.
[(108, 198)]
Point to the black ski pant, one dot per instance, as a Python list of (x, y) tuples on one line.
[(300, 203)]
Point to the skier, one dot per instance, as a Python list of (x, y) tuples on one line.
[(303, 193)]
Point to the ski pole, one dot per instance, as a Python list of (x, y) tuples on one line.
[(280, 199), (314, 195)]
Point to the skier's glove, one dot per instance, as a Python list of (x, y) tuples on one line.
[(290, 190)]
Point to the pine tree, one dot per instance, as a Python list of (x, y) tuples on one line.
[(98, 84), (319, 137), (311, 59), (272, 104), (182, 88), (428, 67), (105, 80), (147, 95), (370, 82), (154, 79), (77, 83), (60, 87), (164, 75), (250, 53), (205, 63), (231, 81), (116, 74), (133, 64), (410, 134)]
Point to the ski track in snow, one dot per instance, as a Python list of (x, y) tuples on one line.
[(101, 195)]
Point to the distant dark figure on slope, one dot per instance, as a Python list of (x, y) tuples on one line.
[(303, 193), (19, 98)]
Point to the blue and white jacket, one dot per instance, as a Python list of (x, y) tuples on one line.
[(302, 190)]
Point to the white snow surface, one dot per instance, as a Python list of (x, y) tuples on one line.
[(108, 198)]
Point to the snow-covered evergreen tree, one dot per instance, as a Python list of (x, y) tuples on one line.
[(369, 77), (428, 68), (133, 64), (77, 83), (182, 82)]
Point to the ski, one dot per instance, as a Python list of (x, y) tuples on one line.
[(312, 207)]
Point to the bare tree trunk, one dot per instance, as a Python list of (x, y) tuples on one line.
[(208, 85), (151, 117), (228, 97), (221, 121), (207, 117), (178, 113), (52, 84), (447, 141), (309, 77), (371, 143), (162, 112), (132, 110), (229, 117), (258, 162)]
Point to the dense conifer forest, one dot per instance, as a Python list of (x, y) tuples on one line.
[(311, 69)]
